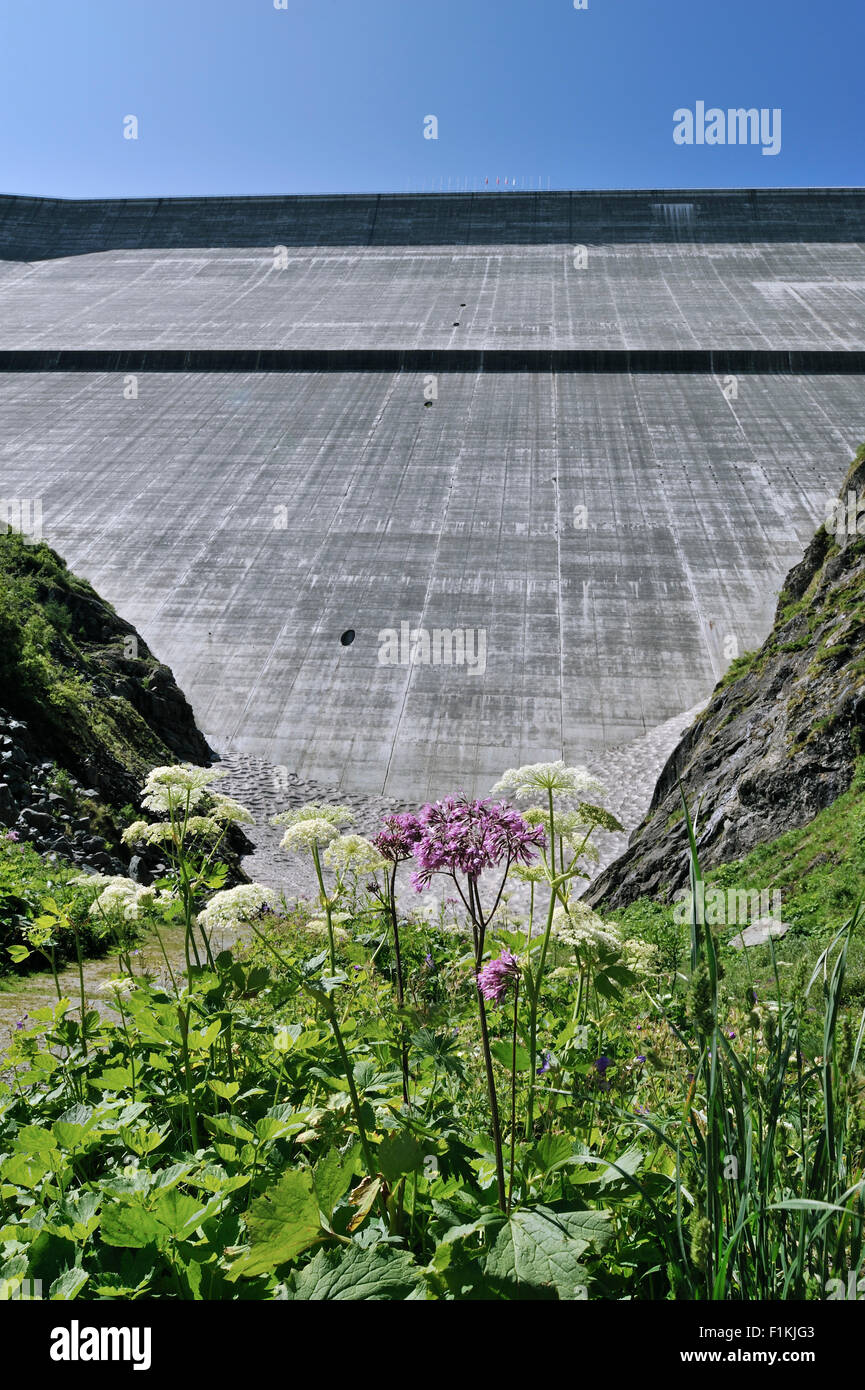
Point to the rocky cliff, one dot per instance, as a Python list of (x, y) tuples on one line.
[(778, 739), (85, 710)]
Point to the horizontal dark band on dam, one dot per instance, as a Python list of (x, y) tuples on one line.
[(622, 361), (45, 228)]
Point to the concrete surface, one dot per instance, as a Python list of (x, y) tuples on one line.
[(243, 523), (612, 533), (650, 296)]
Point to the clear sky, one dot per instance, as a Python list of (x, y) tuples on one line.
[(236, 96)]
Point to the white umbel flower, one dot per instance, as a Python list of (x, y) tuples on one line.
[(569, 785), (226, 809), (309, 834), (584, 930), (353, 854), (315, 810), (121, 985), (641, 956), (176, 788), (120, 897), (235, 906)]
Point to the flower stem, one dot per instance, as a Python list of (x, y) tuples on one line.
[(494, 1104), (81, 987), (183, 1020), (537, 980), (399, 983), (325, 902), (513, 1096)]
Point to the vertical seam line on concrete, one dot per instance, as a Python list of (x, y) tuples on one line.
[(686, 568), (432, 574)]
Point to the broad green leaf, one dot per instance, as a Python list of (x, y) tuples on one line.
[(130, 1225), (376, 1274), (270, 1128), (214, 1178), (591, 1226), (116, 1286), (112, 1079), (628, 1163), (182, 1215), (201, 1041), (226, 1090), (170, 1177), (503, 1053), (399, 1154), (282, 1222), (553, 1151), (26, 1170), (74, 1126), (76, 1217), (542, 1249), (32, 1139), (332, 1176), (229, 1124), (69, 1284), (142, 1140)]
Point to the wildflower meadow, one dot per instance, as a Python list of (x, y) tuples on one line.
[(510, 1097)]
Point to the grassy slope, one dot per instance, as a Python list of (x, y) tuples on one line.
[(819, 870), (63, 668)]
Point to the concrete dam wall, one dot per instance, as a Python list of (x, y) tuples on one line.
[(407, 490)]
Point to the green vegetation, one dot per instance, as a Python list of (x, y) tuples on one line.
[(470, 1105), (31, 890), (41, 671), (819, 871), (60, 645)]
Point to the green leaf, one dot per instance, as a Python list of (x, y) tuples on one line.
[(377, 1274), (182, 1215), (332, 1176), (143, 1140), (606, 987), (282, 1222), (229, 1124), (628, 1163), (542, 1248), (69, 1285), (553, 1151), (226, 1090), (269, 1127), (19, 954), (25, 1170), (76, 1217), (503, 1053), (130, 1226), (201, 1041), (73, 1126), (112, 1079), (398, 1155), (32, 1139)]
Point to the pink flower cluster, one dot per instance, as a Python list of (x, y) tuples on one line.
[(496, 976), (460, 836), (398, 836)]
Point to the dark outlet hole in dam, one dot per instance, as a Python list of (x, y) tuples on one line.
[(348, 637)]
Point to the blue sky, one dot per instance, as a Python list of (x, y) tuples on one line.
[(235, 96)]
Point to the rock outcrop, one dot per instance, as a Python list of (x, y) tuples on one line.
[(86, 711), (779, 737)]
